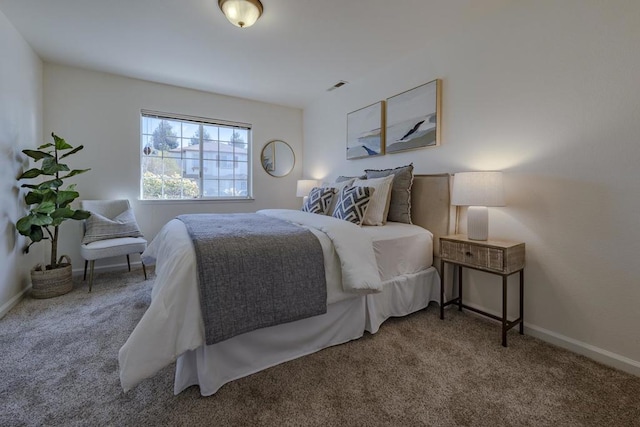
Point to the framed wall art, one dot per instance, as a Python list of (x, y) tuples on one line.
[(413, 118), (365, 131)]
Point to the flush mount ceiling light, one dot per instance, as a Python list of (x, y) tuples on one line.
[(241, 13)]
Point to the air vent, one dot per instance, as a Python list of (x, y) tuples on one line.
[(337, 85)]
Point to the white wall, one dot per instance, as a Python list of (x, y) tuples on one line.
[(20, 128), (102, 112), (548, 92)]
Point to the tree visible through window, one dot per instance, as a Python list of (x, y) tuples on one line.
[(184, 158)]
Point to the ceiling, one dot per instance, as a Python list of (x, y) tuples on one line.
[(291, 56)]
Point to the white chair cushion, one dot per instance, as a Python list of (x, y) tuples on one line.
[(113, 247)]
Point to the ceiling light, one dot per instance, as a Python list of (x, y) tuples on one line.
[(241, 13), (337, 85)]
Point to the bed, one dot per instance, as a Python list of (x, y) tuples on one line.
[(172, 328)]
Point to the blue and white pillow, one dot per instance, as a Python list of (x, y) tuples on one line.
[(319, 200), (353, 203)]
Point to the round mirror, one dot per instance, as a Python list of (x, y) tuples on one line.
[(277, 158)]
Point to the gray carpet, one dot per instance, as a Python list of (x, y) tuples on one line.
[(58, 366)]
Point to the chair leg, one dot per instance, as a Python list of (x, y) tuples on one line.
[(91, 274), (128, 262), (85, 269), (144, 269)]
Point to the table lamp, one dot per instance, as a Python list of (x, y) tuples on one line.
[(478, 190), (304, 187)]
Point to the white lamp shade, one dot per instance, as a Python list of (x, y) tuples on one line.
[(478, 189), (304, 187), (241, 13)]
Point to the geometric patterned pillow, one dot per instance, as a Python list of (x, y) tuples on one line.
[(353, 203), (337, 186), (319, 200)]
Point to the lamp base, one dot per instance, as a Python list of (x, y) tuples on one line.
[(478, 223)]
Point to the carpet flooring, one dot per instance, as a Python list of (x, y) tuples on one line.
[(58, 366)]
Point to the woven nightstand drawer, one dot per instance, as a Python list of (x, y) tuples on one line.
[(500, 257)]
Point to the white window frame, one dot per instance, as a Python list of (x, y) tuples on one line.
[(201, 121)]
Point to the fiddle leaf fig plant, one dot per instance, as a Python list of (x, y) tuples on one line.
[(49, 204)]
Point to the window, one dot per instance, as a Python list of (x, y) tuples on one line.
[(190, 157)]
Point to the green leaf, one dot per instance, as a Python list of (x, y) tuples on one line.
[(80, 214), (36, 155), (50, 166), (24, 225), (49, 195), (45, 208), (47, 145), (40, 219), (65, 197), (74, 172), (75, 150), (48, 163), (65, 212), (54, 183), (30, 186), (35, 234), (31, 226), (33, 197), (31, 173), (61, 144)]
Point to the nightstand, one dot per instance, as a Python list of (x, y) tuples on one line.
[(492, 256)]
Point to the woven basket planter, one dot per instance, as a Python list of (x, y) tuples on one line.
[(52, 283)]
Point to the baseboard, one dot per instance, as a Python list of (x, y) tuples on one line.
[(106, 268), (605, 357), (13, 301), (592, 352)]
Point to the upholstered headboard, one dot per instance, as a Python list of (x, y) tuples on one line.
[(431, 207)]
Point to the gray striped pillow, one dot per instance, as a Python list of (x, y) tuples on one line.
[(400, 205), (99, 227)]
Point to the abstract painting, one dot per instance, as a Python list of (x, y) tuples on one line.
[(365, 131), (413, 118)]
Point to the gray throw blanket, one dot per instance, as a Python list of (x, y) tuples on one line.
[(255, 271)]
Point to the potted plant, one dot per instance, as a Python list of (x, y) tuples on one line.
[(49, 206)]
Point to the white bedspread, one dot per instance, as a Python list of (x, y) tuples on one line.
[(353, 245), (401, 248), (173, 322)]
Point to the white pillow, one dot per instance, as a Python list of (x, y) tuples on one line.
[(379, 204), (338, 186)]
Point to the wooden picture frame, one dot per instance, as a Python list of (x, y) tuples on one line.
[(413, 118), (366, 131)]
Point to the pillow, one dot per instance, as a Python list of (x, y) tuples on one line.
[(98, 227), (400, 205), (338, 186), (352, 204), (379, 203), (319, 200), (347, 178)]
